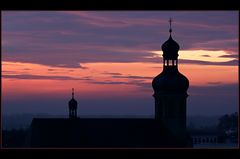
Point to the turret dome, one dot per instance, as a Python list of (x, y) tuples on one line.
[(170, 49)]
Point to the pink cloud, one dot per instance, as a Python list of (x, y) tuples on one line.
[(229, 45), (204, 26), (107, 21)]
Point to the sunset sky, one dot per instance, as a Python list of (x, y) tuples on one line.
[(111, 57)]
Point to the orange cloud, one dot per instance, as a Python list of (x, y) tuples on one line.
[(100, 79), (201, 55)]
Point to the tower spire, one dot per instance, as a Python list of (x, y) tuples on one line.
[(72, 92), (170, 22)]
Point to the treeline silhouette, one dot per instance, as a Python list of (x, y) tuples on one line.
[(15, 138), (226, 128)]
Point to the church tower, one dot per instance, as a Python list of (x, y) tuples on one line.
[(72, 105), (170, 90)]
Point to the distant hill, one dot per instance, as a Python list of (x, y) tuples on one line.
[(202, 121), (20, 120)]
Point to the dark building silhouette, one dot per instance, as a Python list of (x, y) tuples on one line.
[(103, 133), (167, 129)]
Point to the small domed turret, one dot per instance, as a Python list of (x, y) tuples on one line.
[(72, 104)]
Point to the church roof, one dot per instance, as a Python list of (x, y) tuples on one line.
[(107, 133)]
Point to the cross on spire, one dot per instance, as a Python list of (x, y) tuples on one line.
[(170, 22)]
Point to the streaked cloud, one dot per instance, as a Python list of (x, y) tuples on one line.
[(132, 77), (112, 73), (234, 62), (67, 38), (39, 77), (202, 55), (215, 83), (230, 56)]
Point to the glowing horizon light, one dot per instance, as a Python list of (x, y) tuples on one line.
[(107, 73), (201, 55)]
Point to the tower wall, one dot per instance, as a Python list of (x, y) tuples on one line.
[(170, 109)]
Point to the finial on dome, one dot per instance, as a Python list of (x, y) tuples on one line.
[(170, 22), (72, 92)]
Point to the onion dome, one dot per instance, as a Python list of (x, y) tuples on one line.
[(170, 81), (170, 49)]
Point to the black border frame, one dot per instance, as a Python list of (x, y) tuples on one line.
[(7, 5)]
